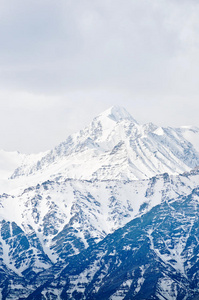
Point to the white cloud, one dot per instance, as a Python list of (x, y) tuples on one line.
[(63, 62)]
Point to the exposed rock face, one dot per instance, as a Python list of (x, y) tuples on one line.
[(104, 215)]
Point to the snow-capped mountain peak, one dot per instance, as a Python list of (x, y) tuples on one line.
[(115, 146), (108, 124), (116, 113), (81, 227)]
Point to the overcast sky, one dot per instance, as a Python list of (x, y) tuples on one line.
[(64, 62)]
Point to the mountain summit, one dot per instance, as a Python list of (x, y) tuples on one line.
[(115, 146), (87, 222), (116, 113)]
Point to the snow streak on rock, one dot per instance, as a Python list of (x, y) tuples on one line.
[(110, 213)]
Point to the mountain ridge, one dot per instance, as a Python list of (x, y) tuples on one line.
[(140, 151), (121, 265), (98, 217)]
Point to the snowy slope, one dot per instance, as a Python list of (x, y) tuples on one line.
[(9, 162), (152, 257), (191, 133), (60, 212), (65, 217), (115, 146), (55, 221)]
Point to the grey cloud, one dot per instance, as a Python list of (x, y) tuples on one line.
[(81, 43), (63, 62)]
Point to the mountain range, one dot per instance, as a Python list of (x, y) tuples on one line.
[(110, 213)]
